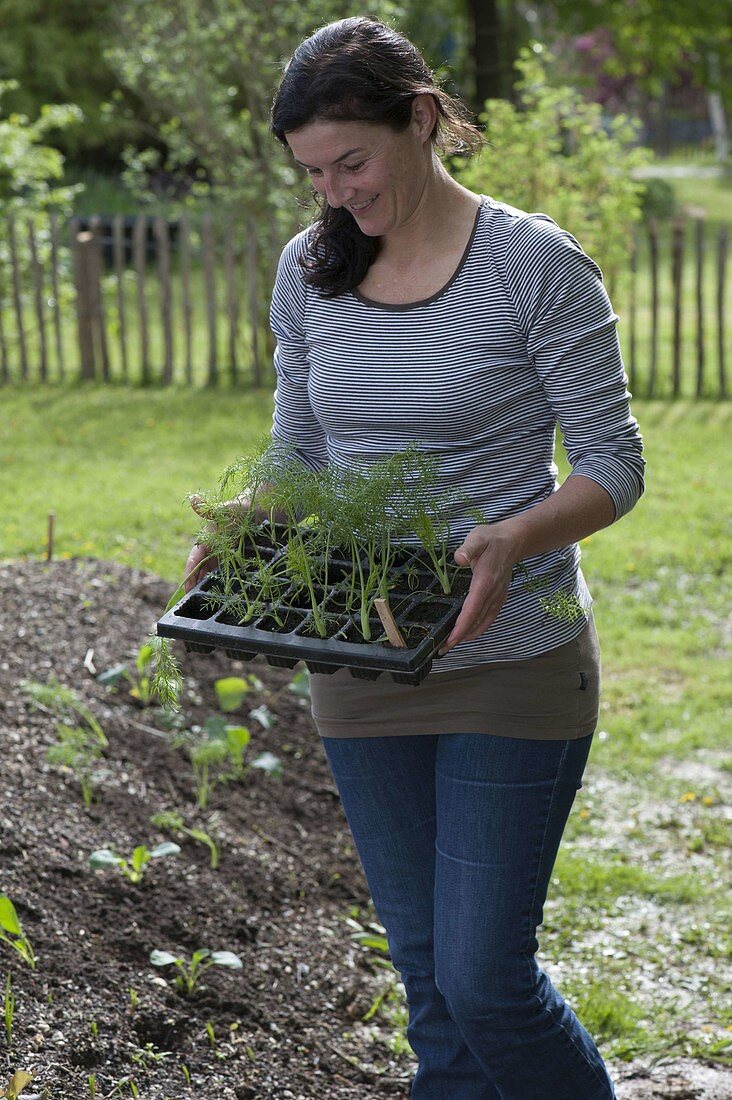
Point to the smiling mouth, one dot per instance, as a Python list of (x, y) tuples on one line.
[(358, 208)]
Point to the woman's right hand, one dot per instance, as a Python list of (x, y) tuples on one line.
[(200, 560), (198, 563)]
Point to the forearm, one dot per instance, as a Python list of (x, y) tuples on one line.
[(578, 508)]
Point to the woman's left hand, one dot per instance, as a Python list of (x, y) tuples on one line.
[(491, 556)]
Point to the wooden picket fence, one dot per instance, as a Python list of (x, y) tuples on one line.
[(135, 300), (144, 301), (677, 343)]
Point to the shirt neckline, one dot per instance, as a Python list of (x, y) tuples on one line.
[(399, 307)]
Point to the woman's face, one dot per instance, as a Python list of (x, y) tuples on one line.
[(377, 173)]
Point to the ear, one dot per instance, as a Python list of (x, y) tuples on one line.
[(424, 115)]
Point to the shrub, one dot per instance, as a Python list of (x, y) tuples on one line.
[(553, 152)]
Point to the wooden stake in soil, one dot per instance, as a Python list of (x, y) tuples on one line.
[(388, 622), (51, 532)]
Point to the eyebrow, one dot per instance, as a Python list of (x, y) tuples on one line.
[(344, 156)]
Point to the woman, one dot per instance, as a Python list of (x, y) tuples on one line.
[(415, 310)]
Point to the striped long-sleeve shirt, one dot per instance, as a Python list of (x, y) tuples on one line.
[(521, 338)]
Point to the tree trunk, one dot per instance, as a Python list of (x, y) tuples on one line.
[(485, 23)]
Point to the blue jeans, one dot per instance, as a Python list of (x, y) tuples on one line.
[(458, 834)]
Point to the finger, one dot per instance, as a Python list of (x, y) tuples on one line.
[(478, 613), (470, 629), (198, 564), (202, 508), (473, 546)]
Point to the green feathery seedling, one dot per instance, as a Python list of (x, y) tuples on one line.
[(133, 868), (173, 822), (78, 750), (191, 970), (64, 702), (12, 933), (561, 605), (81, 740), (141, 677)]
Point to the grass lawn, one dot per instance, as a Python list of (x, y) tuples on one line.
[(636, 932)]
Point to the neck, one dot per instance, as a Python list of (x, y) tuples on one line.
[(441, 208)]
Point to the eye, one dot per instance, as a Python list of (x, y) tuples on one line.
[(313, 172), (354, 167)]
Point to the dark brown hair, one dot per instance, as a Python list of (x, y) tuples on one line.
[(359, 70)]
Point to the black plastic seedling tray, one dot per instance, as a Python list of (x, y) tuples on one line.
[(422, 611)]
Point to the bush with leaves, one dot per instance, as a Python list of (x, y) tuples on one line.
[(30, 186), (554, 152)]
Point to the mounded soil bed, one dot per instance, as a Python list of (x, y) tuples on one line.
[(288, 1026), (284, 1025)]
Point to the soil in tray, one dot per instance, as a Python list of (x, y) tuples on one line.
[(428, 612), (289, 620)]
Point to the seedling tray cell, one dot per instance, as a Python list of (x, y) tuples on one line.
[(285, 634)]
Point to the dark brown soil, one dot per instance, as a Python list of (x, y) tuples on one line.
[(286, 1024)]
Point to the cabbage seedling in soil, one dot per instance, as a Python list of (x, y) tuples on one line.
[(191, 970), (134, 867), (173, 822), (12, 932)]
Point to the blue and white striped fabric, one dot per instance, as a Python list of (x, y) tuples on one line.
[(522, 337)]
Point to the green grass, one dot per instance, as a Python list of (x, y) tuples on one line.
[(115, 465), (636, 932), (712, 197)]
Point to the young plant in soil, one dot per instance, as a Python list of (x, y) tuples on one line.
[(191, 970), (133, 868), (12, 932), (19, 1081), (173, 822), (81, 740)]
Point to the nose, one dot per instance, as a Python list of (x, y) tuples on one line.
[(337, 191)]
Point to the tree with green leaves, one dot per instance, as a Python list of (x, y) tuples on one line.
[(54, 49), (553, 152), (31, 170)]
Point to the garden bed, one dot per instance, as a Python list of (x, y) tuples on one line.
[(288, 1025), (288, 880)]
